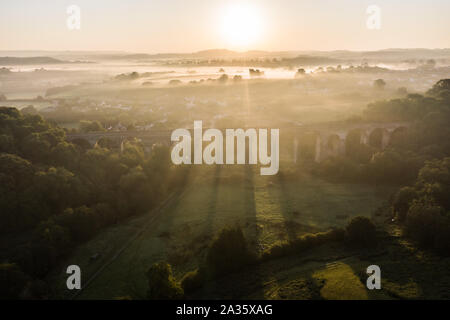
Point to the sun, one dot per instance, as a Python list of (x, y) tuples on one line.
[(241, 25)]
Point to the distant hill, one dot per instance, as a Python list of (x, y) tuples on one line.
[(216, 53), (311, 60), (303, 57), (205, 54), (33, 60), (28, 60), (310, 57)]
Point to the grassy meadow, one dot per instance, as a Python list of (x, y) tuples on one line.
[(269, 209)]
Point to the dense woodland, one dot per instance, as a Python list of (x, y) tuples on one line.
[(56, 194), (409, 148), (417, 158)]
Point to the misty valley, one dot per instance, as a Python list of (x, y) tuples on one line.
[(125, 165)]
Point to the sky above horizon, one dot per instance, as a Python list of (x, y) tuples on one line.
[(192, 25)]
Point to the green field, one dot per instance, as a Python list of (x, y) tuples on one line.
[(336, 271), (269, 209)]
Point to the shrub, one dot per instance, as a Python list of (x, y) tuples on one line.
[(161, 284), (228, 252), (303, 243), (427, 224), (192, 281), (361, 232)]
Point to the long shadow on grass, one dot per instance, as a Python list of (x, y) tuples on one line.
[(212, 210), (285, 210), (248, 280), (406, 271), (250, 210), (264, 281), (296, 286), (135, 263), (252, 232)]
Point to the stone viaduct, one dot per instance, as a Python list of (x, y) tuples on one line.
[(330, 138)]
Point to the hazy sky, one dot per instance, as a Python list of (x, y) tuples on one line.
[(190, 25)]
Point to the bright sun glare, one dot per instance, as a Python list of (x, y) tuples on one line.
[(241, 25)]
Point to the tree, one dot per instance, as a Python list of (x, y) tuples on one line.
[(423, 221), (58, 188), (7, 144), (431, 63), (361, 232), (107, 143), (43, 259), (19, 170), (83, 144), (300, 72), (90, 126), (36, 148), (402, 200), (379, 84), (223, 78), (157, 168), (12, 281), (132, 153), (29, 110), (441, 89), (65, 154), (93, 165), (424, 207), (175, 82), (402, 91), (229, 252), (17, 202), (51, 234), (434, 181), (136, 191), (237, 78), (81, 222), (161, 284)]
